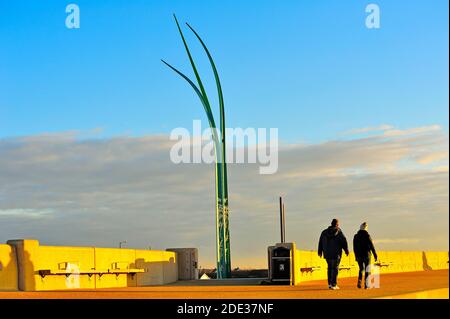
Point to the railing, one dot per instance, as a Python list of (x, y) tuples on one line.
[(381, 264), (310, 269), (48, 272)]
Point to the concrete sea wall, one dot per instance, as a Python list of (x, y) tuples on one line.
[(25, 265), (309, 266)]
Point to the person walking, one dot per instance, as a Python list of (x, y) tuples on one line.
[(331, 243), (363, 247)]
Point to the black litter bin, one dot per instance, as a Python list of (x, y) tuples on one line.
[(281, 266)]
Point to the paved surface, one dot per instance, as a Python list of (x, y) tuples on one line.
[(390, 285)]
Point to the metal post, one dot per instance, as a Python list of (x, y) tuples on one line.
[(284, 226), (281, 219)]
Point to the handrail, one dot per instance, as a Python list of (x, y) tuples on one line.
[(310, 269), (380, 264), (117, 272)]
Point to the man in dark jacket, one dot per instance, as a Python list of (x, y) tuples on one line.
[(363, 246), (331, 243)]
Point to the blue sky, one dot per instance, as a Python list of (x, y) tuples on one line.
[(310, 68)]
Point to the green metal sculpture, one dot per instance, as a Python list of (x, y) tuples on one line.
[(222, 226)]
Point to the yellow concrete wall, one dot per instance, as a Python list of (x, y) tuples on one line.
[(437, 259), (60, 258), (8, 268), (113, 258), (160, 266), (397, 261)]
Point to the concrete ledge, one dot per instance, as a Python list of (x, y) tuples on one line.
[(442, 293)]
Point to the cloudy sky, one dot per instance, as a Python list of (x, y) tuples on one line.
[(67, 190), (362, 117)]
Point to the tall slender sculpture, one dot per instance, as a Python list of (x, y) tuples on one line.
[(223, 255)]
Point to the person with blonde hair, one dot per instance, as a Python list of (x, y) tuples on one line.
[(363, 247)]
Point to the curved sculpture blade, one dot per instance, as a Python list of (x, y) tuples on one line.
[(223, 157)]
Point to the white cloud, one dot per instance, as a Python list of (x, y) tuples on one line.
[(25, 212), (413, 131), (356, 131), (433, 157), (443, 168)]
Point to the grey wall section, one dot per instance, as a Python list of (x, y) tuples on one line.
[(23, 263), (187, 263)]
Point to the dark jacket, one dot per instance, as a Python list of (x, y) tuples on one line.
[(363, 245), (331, 243)]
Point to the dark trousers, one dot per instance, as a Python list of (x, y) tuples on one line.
[(364, 267), (333, 269)]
